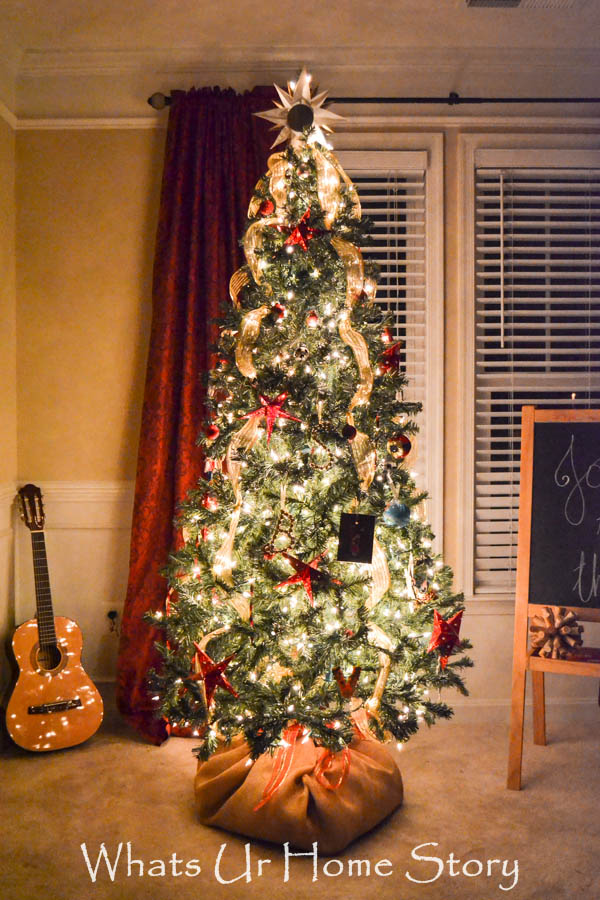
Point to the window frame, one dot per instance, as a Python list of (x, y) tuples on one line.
[(526, 150), (402, 151)]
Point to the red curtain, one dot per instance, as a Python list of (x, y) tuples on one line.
[(216, 150)]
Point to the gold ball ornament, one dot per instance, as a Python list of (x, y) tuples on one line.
[(399, 446)]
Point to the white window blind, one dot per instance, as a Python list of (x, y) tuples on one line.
[(537, 308), (395, 202)]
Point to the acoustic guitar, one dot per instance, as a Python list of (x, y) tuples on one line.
[(54, 703)]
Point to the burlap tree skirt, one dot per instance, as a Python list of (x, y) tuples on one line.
[(328, 798)]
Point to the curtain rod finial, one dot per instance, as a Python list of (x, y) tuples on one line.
[(159, 101)]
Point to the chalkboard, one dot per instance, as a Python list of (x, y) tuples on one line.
[(564, 568)]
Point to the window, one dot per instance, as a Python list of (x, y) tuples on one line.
[(397, 193), (537, 323)]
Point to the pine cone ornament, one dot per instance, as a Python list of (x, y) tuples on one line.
[(555, 632)]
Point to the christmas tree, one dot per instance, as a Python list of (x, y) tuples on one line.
[(307, 594)]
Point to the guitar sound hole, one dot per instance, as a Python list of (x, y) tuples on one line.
[(49, 657)]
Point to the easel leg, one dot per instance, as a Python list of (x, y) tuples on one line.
[(539, 708), (517, 715)]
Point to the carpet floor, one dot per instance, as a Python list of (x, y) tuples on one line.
[(481, 841)]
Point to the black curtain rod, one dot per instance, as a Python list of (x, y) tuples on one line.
[(159, 101)]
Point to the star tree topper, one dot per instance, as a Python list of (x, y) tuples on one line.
[(298, 110)]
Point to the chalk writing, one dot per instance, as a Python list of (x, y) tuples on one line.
[(565, 474), (594, 579)]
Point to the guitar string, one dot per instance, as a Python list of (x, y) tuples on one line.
[(45, 613)]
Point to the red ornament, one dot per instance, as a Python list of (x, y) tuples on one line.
[(271, 410), (312, 319), (302, 233), (399, 446), (211, 673), (386, 335), (278, 310), (210, 503), (349, 432), (391, 358), (299, 234), (266, 208), (212, 432), (307, 574), (346, 686), (445, 635), (220, 395)]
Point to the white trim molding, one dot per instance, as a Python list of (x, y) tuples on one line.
[(535, 147), (87, 529), (8, 116), (245, 58), (353, 124), (88, 504), (424, 153)]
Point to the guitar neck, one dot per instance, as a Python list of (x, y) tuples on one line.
[(43, 596)]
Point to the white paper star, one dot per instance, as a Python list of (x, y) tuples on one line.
[(298, 94)]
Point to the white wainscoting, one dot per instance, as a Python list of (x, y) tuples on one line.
[(87, 540)]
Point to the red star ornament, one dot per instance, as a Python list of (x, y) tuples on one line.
[(307, 574), (271, 410), (445, 635), (390, 359), (302, 233), (212, 673)]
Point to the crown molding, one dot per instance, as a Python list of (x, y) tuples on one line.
[(227, 59), (100, 86)]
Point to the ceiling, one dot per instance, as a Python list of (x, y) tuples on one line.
[(65, 58)]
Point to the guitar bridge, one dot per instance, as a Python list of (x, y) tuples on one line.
[(56, 706)]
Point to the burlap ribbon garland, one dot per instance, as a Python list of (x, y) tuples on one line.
[(363, 448), (329, 178), (244, 439), (238, 280), (249, 331)]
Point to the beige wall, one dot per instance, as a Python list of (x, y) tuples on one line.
[(87, 202), (8, 387), (86, 216), (8, 434)]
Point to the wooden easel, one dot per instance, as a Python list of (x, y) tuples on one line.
[(524, 610)]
